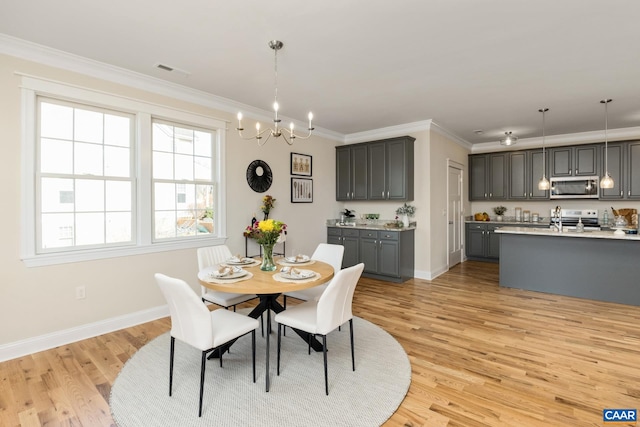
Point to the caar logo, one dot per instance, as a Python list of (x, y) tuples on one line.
[(619, 415)]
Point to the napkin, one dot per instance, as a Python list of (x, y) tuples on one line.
[(236, 258), (221, 272)]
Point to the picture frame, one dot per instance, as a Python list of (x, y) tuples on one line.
[(301, 190), (301, 164)]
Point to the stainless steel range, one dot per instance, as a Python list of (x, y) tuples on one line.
[(570, 218)]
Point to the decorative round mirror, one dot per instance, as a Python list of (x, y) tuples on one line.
[(259, 176)]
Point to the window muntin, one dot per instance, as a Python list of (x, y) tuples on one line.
[(183, 181), (84, 178)]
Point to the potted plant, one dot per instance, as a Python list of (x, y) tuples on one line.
[(406, 211), (499, 211)]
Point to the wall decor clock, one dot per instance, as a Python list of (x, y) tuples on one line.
[(259, 176)]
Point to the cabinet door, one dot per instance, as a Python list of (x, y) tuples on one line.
[(343, 173), (612, 160), (377, 171), (493, 242), (399, 169), (351, 255), (586, 160), (359, 168), (536, 163), (477, 177), (518, 175), (474, 240), (561, 161), (389, 258), (633, 183), (369, 254), (498, 177)]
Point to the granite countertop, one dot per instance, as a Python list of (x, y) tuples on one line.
[(589, 234), (377, 225)]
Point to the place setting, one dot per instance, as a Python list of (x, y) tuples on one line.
[(224, 274), (294, 274), (296, 260), (238, 260)]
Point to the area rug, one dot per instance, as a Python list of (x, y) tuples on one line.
[(366, 397)]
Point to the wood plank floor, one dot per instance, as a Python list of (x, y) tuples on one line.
[(481, 355)]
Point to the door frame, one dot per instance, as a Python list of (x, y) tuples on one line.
[(460, 166)]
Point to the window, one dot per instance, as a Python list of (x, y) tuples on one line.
[(106, 176)]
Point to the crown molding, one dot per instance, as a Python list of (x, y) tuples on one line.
[(388, 132), (59, 59), (451, 136)]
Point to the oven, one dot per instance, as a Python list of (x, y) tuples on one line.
[(570, 218)]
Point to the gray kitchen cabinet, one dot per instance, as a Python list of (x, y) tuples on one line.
[(351, 172), (350, 239), (387, 255), (482, 243), (615, 160), (580, 160), (518, 172), (633, 167), (390, 169), (488, 176), (536, 162)]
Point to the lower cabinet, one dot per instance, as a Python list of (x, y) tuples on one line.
[(481, 242), (387, 255)]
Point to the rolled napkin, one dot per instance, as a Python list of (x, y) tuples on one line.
[(236, 258), (297, 259), (222, 271)]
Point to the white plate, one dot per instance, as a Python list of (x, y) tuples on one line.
[(232, 275), (243, 261), (302, 274), (292, 259)]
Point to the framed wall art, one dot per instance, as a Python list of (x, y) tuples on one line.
[(301, 164), (301, 190)]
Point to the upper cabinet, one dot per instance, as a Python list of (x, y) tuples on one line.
[(351, 172), (488, 176), (622, 160), (580, 160), (377, 170)]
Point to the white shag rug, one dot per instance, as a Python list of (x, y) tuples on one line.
[(366, 397)]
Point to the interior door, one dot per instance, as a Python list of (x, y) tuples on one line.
[(454, 215)]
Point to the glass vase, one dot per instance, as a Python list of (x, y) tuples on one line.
[(267, 258)]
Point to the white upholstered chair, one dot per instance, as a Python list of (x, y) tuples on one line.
[(209, 257), (325, 252), (194, 324), (320, 317)]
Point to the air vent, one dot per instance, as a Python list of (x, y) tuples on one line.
[(169, 68), (164, 67)]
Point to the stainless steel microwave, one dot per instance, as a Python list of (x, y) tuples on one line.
[(575, 187)]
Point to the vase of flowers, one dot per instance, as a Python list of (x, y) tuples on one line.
[(499, 211), (406, 211), (266, 233), (267, 204)]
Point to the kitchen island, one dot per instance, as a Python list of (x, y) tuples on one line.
[(596, 265)]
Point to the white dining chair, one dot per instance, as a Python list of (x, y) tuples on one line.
[(208, 257), (320, 317), (193, 324), (325, 252)]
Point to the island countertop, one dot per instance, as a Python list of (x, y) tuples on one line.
[(588, 234)]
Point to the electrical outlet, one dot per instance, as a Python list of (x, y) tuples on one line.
[(80, 292)]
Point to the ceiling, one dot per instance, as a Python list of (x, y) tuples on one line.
[(361, 65)]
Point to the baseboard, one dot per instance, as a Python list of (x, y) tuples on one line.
[(430, 275), (45, 342)]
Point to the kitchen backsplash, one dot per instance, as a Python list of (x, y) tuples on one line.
[(543, 208)]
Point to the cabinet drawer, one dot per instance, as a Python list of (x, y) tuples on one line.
[(372, 234), (472, 226), (349, 233), (389, 235), (333, 231)]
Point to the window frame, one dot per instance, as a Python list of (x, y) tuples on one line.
[(144, 113)]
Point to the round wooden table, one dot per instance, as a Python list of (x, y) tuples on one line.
[(268, 290)]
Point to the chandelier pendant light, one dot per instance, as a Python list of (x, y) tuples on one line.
[(543, 184), (509, 139), (606, 181), (276, 131)]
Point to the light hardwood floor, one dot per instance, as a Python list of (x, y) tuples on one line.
[(480, 355)]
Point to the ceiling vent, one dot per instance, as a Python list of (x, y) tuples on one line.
[(170, 69)]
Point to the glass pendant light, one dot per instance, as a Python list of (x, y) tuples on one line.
[(606, 181), (543, 184), (509, 139)]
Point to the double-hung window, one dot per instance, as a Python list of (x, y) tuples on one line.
[(107, 175)]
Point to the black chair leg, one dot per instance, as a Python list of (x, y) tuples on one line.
[(278, 352), (267, 364), (311, 336), (353, 359), (253, 353), (326, 374), (202, 366), (284, 305), (171, 353), (262, 324)]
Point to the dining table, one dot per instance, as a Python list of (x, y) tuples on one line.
[(268, 286)]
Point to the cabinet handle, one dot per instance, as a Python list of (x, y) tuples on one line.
[(621, 193), (387, 194), (530, 194), (380, 244), (525, 194), (629, 193), (383, 194), (490, 194), (352, 194)]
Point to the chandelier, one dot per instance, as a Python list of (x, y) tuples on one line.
[(276, 131), (509, 139)]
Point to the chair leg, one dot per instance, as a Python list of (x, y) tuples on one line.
[(309, 338), (326, 374), (171, 353), (262, 324), (278, 352), (202, 366), (353, 359), (267, 367), (253, 353)]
